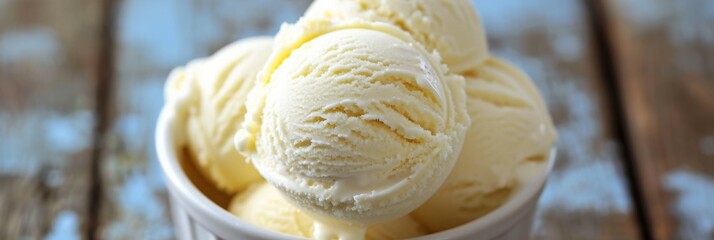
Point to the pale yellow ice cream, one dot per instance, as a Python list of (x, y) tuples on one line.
[(212, 94), (451, 27), (262, 205), (354, 121), (357, 118), (511, 136)]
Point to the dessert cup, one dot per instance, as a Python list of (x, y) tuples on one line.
[(196, 216)]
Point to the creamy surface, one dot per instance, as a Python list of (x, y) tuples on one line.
[(357, 119), (211, 94), (261, 204), (355, 123), (451, 27), (509, 141)]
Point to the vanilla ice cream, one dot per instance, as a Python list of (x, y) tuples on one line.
[(354, 121), (212, 94), (350, 124), (261, 204), (451, 27), (511, 133)]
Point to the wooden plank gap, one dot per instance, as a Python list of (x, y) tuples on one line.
[(608, 64), (663, 50), (105, 80)]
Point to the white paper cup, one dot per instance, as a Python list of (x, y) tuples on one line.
[(197, 217)]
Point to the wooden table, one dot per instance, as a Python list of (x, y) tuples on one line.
[(630, 84)]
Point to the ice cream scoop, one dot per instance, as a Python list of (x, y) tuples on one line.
[(261, 204), (212, 94), (354, 121), (451, 27), (509, 141)]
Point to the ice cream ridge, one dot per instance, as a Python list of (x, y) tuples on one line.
[(365, 119), (211, 93), (354, 122)]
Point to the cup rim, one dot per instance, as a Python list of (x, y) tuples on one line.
[(194, 201), (191, 199), (506, 215)]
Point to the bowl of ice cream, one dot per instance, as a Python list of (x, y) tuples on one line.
[(197, 216), (359, 121)]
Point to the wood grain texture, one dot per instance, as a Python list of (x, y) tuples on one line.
[(665, 54), (587, 195), (152, 37), (48, 61)]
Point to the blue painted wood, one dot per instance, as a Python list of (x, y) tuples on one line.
[(48, 61)]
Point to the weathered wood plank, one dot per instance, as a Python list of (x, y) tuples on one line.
[(665, 56), (48, 62), (152, 38), (587, 195)]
